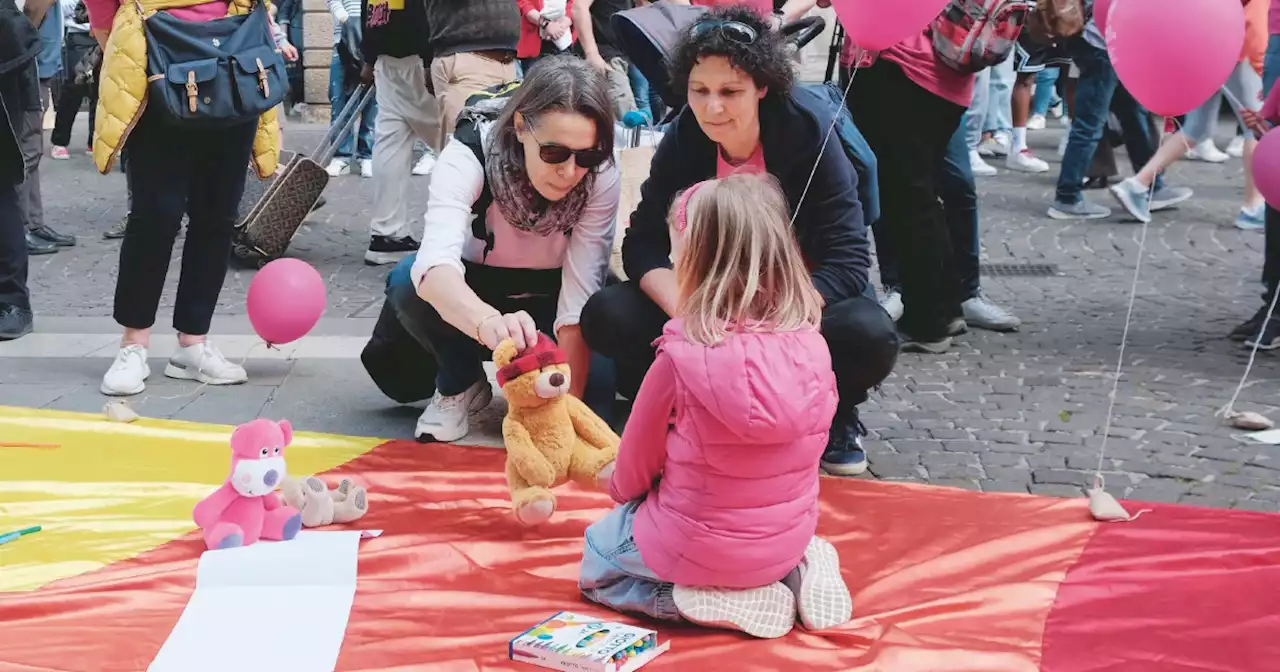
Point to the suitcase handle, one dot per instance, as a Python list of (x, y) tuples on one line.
[(346, 120)]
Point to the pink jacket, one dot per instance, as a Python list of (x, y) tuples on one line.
[(735, 433)]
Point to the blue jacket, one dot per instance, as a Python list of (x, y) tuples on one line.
[(829, 225)]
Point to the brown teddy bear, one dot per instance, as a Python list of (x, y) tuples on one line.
[(551, 436), (321, 507)]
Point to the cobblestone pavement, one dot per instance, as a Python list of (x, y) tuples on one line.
[(1001, 412)]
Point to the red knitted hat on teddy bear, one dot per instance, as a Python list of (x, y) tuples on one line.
[(544, 353)]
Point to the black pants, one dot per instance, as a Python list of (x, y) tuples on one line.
[(179, 170), (908, 128), (622, 322), (1271, 253), (13, 248), (72, 94)]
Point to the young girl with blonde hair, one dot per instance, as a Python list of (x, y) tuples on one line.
[(717, 475)]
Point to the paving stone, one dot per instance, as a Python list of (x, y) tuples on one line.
[(1055, 490), (1004, 486), (1163, 490), (1060, 477), (1210, 502), (954, 471), (1256, 505), (1009, 474), (932, 460)]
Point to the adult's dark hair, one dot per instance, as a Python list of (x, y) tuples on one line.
[(766, 60), (557, 84)]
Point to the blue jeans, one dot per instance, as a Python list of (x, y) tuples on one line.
[(339, 93), (976, 116), (999, 115), (1098, 92), (614, 574), (959, 196), (1271, 64), (640, 87), (1046, 92)]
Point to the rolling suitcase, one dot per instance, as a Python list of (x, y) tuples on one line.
[(270, 225)]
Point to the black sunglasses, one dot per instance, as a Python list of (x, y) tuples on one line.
[(734, 31), (557, 154)]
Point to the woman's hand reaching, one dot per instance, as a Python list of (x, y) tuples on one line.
[(518, 326)]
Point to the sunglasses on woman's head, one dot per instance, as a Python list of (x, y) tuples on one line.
[(734, 31), (557, 154)]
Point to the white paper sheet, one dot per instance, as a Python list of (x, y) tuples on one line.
[(270, 606), (1270, 437)]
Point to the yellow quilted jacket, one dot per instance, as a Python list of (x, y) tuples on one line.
[(122, 92)]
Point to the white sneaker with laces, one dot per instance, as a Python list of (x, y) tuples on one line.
[(447, 418), (128, 373), (1026, 162), (768, 612), (338, 167), (366, 168), (1036, 123), (1236, 148), (1208, 152), (979, 166), (822, 598), (204, 363), (892, 304), (983, 313), (425, 164)]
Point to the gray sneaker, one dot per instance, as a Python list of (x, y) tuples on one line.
[(117, 230), (1167, 197), (1135, 198), (982, 313), (1081, 209)]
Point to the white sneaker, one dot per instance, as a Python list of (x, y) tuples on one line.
[(1026, 162), (997, 145), (338, 167), (1036, 123), (446, 418), (128, 374), (979, 166), (425, 164), (982, 313), (822, 598), (768, 612), (366, 168), (1207, 152), (892, 303), (204, 363), (1236, 148)]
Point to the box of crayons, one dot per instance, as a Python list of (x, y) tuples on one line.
[(569, 641)]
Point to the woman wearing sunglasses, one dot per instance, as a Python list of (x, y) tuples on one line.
[(548, 192), (744, 115)]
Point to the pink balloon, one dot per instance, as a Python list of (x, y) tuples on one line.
[(1101, 12), (285, 300), (876, 25), (1266, 168), (1172, 57)]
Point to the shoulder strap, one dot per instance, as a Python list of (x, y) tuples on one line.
[(468, 133)]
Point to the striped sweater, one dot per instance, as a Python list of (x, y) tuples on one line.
[(342, 10)]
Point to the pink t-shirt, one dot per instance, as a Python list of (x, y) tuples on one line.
[(753, 165), (1273, 18), (102, 13), (918, 61)]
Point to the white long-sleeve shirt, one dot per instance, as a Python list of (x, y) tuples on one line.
[(456, 184)]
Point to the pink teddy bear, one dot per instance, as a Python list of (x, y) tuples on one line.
[(246, 507)]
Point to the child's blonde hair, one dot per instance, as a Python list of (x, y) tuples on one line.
[(738, 265)]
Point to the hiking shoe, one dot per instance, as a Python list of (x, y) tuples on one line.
[(1081, 209), (15, 322), (128, 373), (892, 303), (767, 612), (446, 418), (1135, 198), (1167, 197), (983, 313), (844, 455), (822, 598), (204, 363), (387, 250)]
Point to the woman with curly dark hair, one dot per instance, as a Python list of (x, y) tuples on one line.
[(743, 115)]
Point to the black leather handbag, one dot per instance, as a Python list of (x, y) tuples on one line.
[(215, 73)]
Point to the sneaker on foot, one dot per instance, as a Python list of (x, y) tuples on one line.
[(387, 250), (1081, 209), (1252, 219), (927, 346), (60, 153), (997, 145), (425, 164), (1236, 148), (822, 598), (1208, 152), (1026, 162), (128, 374), (338, 167), (982, 313), (844, 455), (1166, 197), (117, 230), (446, 418), (1036, 123), (979, 166), (1250, 326), (204, 363), (1058, 109), (892, 303), (767, 612), (15, 322), (366, 168), (1269, 338), (957, 327), (1134, 197)]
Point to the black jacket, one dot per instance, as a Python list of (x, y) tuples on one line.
[(19, 45), (398, 33), (829, 227)]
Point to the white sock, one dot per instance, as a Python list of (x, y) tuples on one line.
[(1019, 140)]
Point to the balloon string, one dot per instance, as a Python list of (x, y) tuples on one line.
[(203, 385), (830, 129)]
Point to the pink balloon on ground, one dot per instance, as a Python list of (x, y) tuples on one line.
[(1266, 168), (285, 300), (1173, 55), (876, 25)]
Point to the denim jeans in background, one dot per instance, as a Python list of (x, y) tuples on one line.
[(339, 92), (959, 196), (976, 116), (640, 87), (1000, 98), (1099, 93), (1271, 64), (1046, 94)]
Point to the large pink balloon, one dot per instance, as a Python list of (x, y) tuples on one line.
[(876, 25), (285, 300), (1266, 168), (1173, 55), (1100, 14)]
